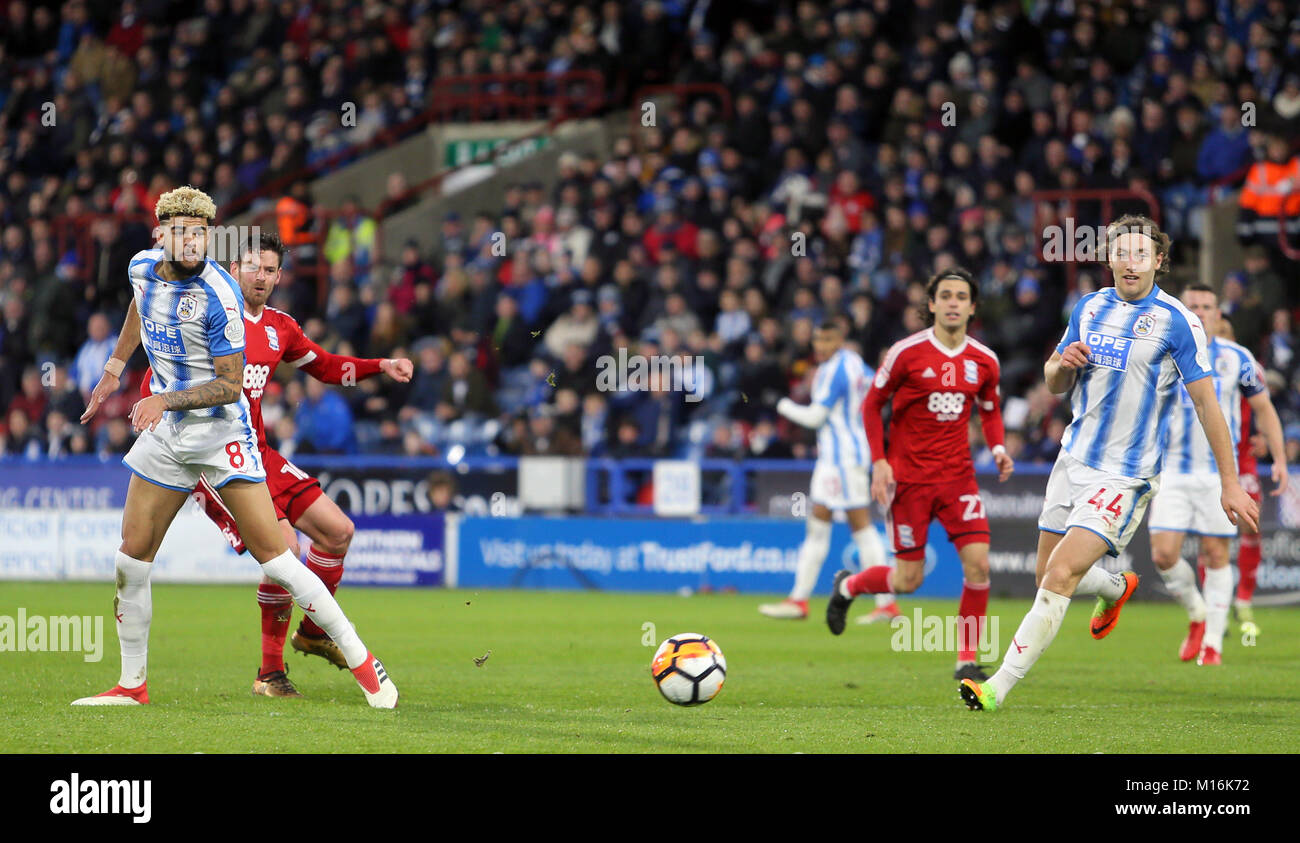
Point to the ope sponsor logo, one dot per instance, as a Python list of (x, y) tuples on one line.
[(654, 373), (93, 796), (53, 634), (944, 634)]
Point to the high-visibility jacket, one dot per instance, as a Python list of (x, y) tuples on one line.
[(292, 217), (1272, 188)]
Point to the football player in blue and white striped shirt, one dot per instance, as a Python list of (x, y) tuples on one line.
[(1123, 355), (840, 480), (1189, 486), (189, 313)]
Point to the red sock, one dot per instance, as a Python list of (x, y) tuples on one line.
[(329, 568), (874, 580), (974, 603), (1247, 564), (277, 607)]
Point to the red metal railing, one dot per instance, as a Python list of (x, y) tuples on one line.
[(1066, 204), (78, 234), (478, 98), (318, 269)]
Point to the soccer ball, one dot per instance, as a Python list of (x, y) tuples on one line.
[(689, 669)]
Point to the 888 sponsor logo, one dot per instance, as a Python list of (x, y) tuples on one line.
[(255, 377), (946, 406)]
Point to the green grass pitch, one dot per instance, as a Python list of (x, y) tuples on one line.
[(569, 673)]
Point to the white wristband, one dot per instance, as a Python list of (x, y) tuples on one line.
[(114, 367), (999, 449)]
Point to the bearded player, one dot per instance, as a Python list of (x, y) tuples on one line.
[(935, 378), (1123, 354), (1190, 484), (198, 423), (274, 336)]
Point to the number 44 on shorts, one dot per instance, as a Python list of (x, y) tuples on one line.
[(1097, 500)]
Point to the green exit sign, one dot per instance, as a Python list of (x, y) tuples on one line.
[(461, 152)]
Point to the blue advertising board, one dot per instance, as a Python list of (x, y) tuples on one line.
[(397, 550), (750, 555)]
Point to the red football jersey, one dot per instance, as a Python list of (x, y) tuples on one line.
[(934, 389), (273, 336)]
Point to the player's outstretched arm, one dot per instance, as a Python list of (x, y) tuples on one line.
[(1271, 426), (128, 340), (1062, 368), (341, 369), (223, 389), (811, 415), (1236, 503)]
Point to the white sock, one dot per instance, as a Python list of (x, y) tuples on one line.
[(315, 599), (133, 608), (1097, 580), (1218, 594), (1180, 580), (883, 600), (871, 550), (812, 553), (1033, 637)]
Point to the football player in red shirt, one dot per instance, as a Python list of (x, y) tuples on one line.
[(935, 378), (1248, 551), (274, 336)]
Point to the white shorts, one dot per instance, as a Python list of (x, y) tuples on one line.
[(1109, 505), (840, 487), (1189, 503), (174, 455)]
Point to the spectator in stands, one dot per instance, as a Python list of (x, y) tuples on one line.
[(465, 392), (33, 400), (1282, 346), (22, 438), (347, 316), (578, 326), (114, 438), (94, 353), (323, 422), (442, 491), (1226, 149), (351, 239)]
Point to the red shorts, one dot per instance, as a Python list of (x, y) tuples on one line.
[(292, 489), (957, 505)]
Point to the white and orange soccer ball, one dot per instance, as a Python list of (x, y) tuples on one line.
[(689, 669)]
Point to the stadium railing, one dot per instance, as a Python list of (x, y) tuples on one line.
[(478, 98), (317, 270), (1067, 203)]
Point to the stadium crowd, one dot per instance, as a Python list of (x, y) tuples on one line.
[(869, 144)]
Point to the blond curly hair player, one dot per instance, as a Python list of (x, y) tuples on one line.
[(189, 314)]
